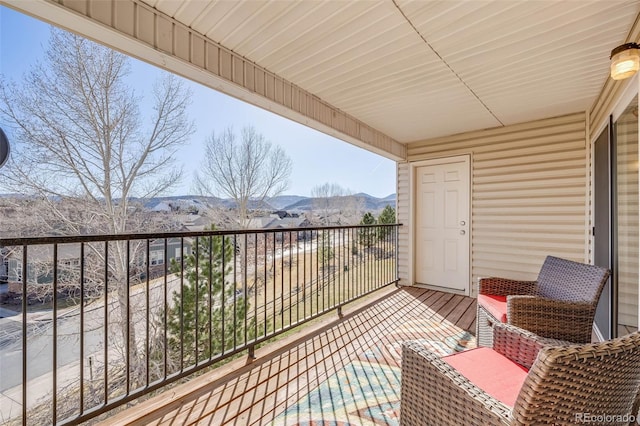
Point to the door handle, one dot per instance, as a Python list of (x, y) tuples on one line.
[(462, 232), (463, 223)]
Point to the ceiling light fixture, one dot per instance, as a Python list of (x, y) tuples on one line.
[(625, 61)]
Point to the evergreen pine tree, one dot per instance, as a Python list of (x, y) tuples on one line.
[(208, 304), (367, 236), (387, 217)]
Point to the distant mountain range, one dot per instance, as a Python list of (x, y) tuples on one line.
[(281, 202), (294, 203), (365, 201)]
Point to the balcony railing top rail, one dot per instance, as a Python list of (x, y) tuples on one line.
[(65, 239)]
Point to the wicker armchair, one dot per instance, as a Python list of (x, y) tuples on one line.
[(566, 384), (561, 304)]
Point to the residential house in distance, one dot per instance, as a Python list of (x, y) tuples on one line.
[(39, 265), (4, 265), (40, 262), (282, 220), (162, 252)]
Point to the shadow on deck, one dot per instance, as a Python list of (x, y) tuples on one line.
[(334, 366)]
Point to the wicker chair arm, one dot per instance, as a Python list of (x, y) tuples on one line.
[(434, 393), (506, 287), (556, 319), (520, 346)]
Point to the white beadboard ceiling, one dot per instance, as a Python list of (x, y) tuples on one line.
[(422, 69)]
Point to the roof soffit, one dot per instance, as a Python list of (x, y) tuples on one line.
[(417, 70)]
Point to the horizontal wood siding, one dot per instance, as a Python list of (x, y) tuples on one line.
[(529, 189), (403, 217)]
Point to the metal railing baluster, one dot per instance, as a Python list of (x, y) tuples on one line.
[(106, 323), (147, 345), (281, 279), (196, 314), (23, 278), (165, 296), (244, 289), (235, 287), (210, 304), (82, 320), (54, 318), (128, 314), (182, 304), (266, 319), (223, 308), (255, 284)]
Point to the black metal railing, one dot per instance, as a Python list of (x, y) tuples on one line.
[(102, 320)]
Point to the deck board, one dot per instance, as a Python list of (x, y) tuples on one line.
[(448, 309), (468, 320), (459, 309), (256, 394)]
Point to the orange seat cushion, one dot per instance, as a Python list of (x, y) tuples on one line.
[(495, 305), (492, 372)]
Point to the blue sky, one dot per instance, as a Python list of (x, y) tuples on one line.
[(317, 158)]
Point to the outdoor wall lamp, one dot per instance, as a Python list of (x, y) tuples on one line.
[(625, 61)]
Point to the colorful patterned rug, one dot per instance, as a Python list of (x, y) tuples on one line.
[(366, 391)]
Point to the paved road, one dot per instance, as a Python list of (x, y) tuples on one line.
[(40, 344)]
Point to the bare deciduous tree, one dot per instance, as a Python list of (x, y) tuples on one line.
[(326, 200), (246, 170), (81, 138), (336, 205), (80, 132)]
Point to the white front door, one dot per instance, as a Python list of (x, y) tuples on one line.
[(442, 223)]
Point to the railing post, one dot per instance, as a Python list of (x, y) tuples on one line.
[(397, 257), (24, 333), (251, 352)]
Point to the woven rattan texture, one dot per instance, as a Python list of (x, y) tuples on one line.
[(565, 384), (561, 304)]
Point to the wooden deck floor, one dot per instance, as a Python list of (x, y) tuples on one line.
[(254, 393)]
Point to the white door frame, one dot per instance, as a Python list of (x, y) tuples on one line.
[(413, 166)]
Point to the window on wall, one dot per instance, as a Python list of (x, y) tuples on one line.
[(4, 269), (626, 219), (19, 272), (156, 257), (179, 253)]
